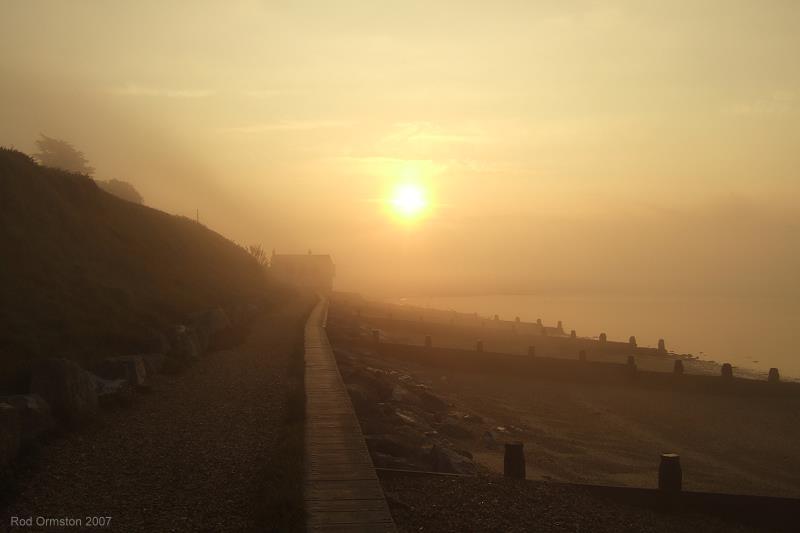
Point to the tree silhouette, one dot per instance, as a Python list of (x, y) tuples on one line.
[(61, 154), (121, 189), (258, 253)]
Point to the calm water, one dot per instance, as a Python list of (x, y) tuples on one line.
[(753, 333)]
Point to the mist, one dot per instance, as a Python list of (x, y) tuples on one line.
[(585, 149)]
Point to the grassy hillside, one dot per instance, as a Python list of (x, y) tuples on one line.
[(84, 274)]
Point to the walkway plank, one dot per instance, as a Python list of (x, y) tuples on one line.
[(342, 491)]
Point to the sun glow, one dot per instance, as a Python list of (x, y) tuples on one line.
[(409, 201)]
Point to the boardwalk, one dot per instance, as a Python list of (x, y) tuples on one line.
[(342, 491)]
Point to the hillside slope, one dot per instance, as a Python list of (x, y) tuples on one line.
[(84, 274)]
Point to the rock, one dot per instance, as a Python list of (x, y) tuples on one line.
[(376, 382), (67, 388), (403, 395), (430, 401), (383, 460), (210, 326), (184, 345), (391, 445), (153, 363), (472, 418), (128, 367), (465, 453), (155, 342), (112, 390), (445, 460), (489, 440), (455, 431), (35, 416), (406, 417), (364, 401), (10, 434)]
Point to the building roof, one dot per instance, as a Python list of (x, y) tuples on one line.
[(323, 260)]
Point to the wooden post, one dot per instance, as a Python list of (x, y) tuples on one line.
[(774, 376), (727, 371), (479, 346), (573, 335), (514, 460), (678, 368), (670, 476), (582, 355), (428, 341), (632, 341), (539, 322), (662, 347), (603, 337), (532, 351)]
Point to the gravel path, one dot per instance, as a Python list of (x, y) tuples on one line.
[(194, 454), (444, 504)]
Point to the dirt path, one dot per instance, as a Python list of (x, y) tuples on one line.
[(195, 454)]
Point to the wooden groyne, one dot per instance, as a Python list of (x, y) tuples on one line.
[(624, 373)]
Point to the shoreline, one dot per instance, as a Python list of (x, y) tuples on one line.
[(479, 306)]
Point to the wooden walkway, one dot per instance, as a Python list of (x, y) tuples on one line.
[(342, 491)]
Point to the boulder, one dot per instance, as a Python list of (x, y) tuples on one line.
[(210, 326), (184, 345), (403, 395), (382, 460), (112, 390), (446, 460), (455, 431), (364, 401), (35, 416), (128, 367), (154, 342), (430, 401), (67, 388), (392, 445), (153, 363), (375, 381), (10, 434), (465, 453), (472, 418), (489, 441)]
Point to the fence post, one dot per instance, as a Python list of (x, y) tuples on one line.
[(727, 371), (670, 476), (774, 376), (514, 460)]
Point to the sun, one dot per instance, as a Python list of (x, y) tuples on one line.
[(408, 200)]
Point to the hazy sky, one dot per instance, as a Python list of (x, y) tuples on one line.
[(568, 145)]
